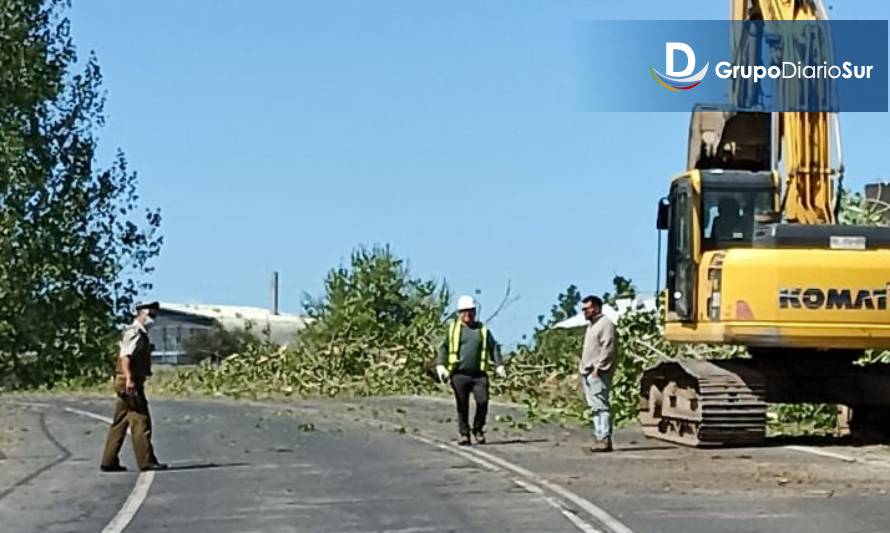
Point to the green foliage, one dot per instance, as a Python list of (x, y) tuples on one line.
[(218, 342), (374, 310), (373, 331), (856, 209), (624, 288), (641, 344), (796, 419), (72, 248), (544, 376), (565, 307)]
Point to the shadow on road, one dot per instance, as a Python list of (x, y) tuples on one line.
[(814, 441), (514, 441), (822, 440), (776, 441), (203, 466), (642, 448)]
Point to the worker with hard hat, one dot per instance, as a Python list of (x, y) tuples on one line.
[(465, 355)]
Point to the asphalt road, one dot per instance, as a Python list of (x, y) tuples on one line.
[(387, 465)]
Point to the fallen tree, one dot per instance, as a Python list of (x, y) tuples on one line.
[(375, 330)]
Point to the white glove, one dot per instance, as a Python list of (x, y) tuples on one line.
[(442, 373), (501, 371)]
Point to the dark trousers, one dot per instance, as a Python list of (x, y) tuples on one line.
[(463, 385), (130, 411)]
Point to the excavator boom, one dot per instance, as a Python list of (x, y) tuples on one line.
[(806, 153)]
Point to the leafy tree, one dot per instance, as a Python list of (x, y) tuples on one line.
[(624, 288), (373, 330), (373, 306), (857, 209), (566, 306), (556, 346), (73, 251)]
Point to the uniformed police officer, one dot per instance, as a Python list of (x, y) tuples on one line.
[(133, 367), (464, 356)]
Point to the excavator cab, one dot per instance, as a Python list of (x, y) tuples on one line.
[(727, 192)]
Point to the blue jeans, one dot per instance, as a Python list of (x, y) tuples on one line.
[(596, 390)]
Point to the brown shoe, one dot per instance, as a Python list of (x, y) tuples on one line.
[(604, 445)]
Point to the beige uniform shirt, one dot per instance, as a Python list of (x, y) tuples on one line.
[(135, 345)]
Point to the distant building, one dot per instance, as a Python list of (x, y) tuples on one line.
[(176, 324), (642, 302)]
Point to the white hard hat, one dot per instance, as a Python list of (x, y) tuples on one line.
[(466, 302)]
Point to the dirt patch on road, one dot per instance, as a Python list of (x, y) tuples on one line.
[(12, 429), (640, 465)]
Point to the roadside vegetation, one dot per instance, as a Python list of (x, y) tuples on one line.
[(75, 247), (375, 330)]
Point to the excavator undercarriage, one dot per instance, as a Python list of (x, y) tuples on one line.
[(724, 402)]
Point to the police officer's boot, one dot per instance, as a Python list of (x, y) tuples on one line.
[(601, 445)]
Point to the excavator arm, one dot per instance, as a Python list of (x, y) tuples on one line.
[(805, 137)]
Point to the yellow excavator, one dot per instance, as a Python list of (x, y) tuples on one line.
[(756, 258)]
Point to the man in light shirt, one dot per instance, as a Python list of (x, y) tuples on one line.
[(598, 361)]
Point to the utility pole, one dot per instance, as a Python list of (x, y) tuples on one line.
[(274, 293)]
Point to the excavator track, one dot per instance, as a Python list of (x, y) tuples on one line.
[(704, 403)]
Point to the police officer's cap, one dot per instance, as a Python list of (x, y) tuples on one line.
[(153, 306)]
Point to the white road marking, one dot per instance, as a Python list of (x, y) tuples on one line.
[(88, 414), (556, 504), (493, 463), (823, 453), (613, 526), (604, 518), (123, 517), (840, 456), (457, 451), (572, 517), (137, 496), (577, 521)]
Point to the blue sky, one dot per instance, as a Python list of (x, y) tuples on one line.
[(279, 135)]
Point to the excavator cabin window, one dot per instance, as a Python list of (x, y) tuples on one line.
[(729, 216)]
